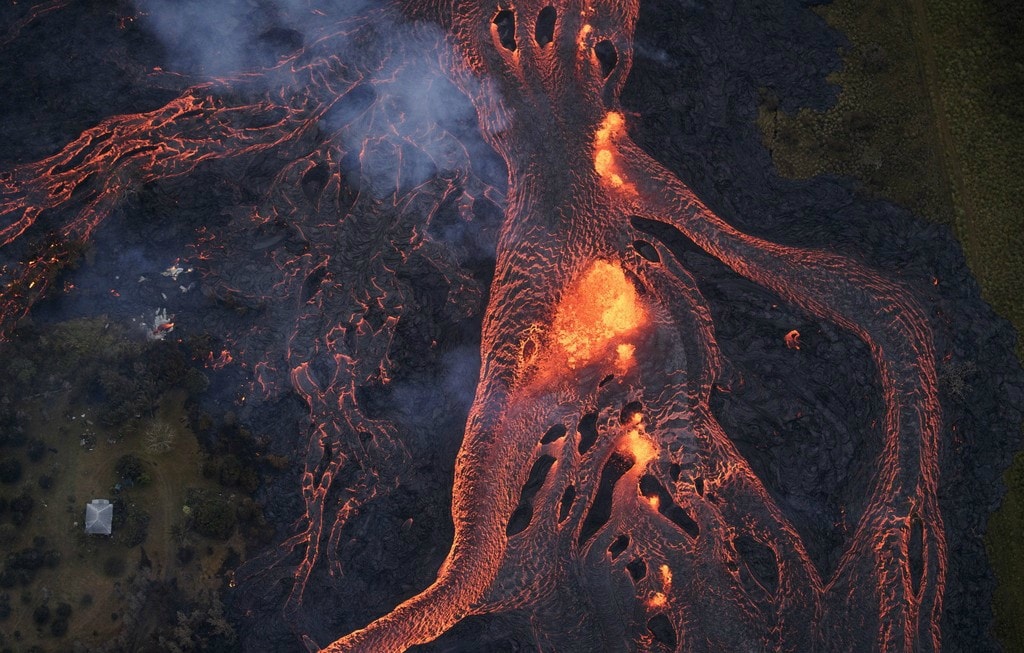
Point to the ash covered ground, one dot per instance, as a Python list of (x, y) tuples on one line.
[(803, 417)]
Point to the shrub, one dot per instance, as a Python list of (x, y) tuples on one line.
[(230, 470), (10, 470), (214, 517), (129, 467), (41, 615), (21, 508), (136, 528), (8, 534), (159, 437), (51, 558), (36, 450)]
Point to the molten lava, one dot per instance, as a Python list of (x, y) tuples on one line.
[(594, 489), (604, 152), (639, 446), (599, 311)]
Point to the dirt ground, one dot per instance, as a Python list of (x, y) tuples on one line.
[(83, 469)]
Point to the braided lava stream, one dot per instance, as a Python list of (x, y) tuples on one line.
[(593, 481)]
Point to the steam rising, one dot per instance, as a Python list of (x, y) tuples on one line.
[(228, 37)]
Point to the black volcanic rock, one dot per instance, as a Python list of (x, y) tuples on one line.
[(805, 419)]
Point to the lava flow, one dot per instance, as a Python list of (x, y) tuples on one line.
[(594, 488)]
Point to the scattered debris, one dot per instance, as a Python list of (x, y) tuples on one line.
[(175, 271), (162, 325)]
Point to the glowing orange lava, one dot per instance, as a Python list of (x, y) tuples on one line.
[(604, 152), (606, 478), (599, 310), (640, 447)]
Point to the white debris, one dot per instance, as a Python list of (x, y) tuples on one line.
[(173, 272), (162, 325), (176, 270)]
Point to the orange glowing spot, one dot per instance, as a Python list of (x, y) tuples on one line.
[(624, 360), (584, 34), (659, 600), (604, 156), (643, 451), (654, 502), (602, 306), (793, 339)]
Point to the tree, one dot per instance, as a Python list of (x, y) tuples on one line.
[(41, 615), (214, 517)]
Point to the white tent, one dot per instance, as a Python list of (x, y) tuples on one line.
[(99, 513)]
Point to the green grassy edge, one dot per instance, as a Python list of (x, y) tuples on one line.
[(929, 116)]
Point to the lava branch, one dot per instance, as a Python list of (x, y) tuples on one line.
[(748, 508), (565, 216), (885, 317), (591, 460), (91, 176)]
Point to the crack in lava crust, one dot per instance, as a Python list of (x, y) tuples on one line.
[(593, 482)]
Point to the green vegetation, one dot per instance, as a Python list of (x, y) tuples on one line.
[(975, 74), (881, 130), (211, 515), (930, 117), (90, 409), (1006, 551)]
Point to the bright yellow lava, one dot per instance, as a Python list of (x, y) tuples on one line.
[(624, 357), (603, 306), (636, 443), (660, 599), (604, 152)]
